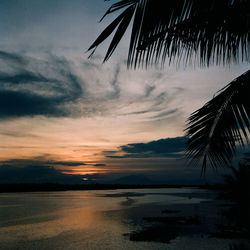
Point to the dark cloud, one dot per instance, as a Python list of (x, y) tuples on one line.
[(24, 77), (54, 86), (36, 174), (164, 97), (90, 65), (160, 99), (66, 163), (48, 174), (160, 107), (12, 58), (37, 87), (159, 170), (114, 83), (108, 152), (169, 147), (41, 170), (17, 134), (43, 161), (138, 112), (149, 90), (17, 104), (165, 113)]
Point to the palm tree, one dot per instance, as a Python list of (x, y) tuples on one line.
[(238, 190), (200, 32), (215, 129)]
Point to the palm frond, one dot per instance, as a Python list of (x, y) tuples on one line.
[(121, 23), (215, 129), (207, 32)]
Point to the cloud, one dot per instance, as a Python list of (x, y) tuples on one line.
[(14, 104), (41, 170), (36, 87), (160, 169), (24, 77), (114, 83), (149, 90), (165, 114), (167, 148), (36, 174), (43, 160), (12, 58), (67, 163), (54, 86)]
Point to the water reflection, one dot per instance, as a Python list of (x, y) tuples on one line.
[(92, 219)]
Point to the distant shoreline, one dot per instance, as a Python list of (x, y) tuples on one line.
[(49, 187)]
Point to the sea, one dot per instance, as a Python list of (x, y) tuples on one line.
[(105, 219)]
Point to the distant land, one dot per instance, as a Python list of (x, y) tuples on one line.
[(134, 180), (124, 182), (43, 187)]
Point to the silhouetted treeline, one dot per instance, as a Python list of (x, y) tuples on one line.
[(67, 187)]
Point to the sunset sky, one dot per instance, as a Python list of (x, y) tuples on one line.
[(66, 118)]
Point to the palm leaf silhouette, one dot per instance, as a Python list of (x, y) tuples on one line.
[(193, 31), (215, 129), (203, 31)]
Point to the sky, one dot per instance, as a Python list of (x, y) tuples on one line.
[(66, 118)]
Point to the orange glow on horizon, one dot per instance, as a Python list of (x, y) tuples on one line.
[(85, 172)]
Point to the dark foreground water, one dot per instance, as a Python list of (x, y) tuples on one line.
[(104, 219)]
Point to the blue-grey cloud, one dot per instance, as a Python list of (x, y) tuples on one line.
[(149, 90), (169, 147), (66, 163), (138, 112), (14, 104), (165, 114), (114, 83), (36, 174), (31, 88), (41, 170), (12, 58), (24, 77), (43, 160), (159, 170), (54, 86)]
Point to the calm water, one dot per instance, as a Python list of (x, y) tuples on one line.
[(93, 219)]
